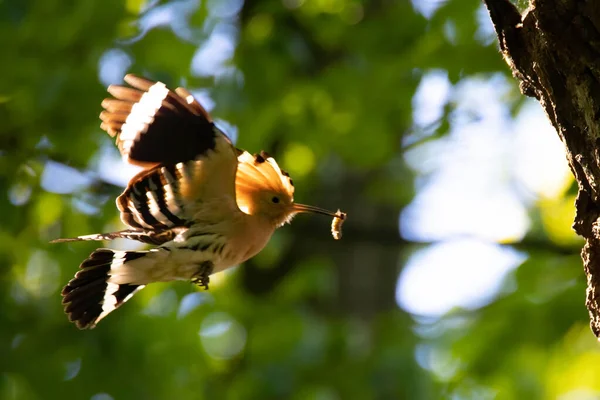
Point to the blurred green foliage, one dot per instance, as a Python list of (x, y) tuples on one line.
[(327, 86)]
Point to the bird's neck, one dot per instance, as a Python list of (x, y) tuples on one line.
[(253, 235)]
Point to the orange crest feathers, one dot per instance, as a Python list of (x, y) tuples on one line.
[(259, 173)]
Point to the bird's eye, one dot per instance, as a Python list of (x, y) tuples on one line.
[(275, 199)]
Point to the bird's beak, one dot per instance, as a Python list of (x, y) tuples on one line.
[(338, 217), (303, 208)]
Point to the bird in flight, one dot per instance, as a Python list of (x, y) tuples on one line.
[(204, 204)]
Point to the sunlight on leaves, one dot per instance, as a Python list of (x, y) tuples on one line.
[(222, 336), (48, 209), (299, 159), (557, 216), (575, 365), (40, 278), (260, 27)]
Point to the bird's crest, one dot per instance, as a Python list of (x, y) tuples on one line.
[(257, 173)]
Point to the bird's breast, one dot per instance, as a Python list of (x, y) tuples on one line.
[(228, 241), (250, 237)]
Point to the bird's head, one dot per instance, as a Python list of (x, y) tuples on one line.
[(262, 188)]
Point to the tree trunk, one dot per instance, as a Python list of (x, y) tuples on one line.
[(553, 49)]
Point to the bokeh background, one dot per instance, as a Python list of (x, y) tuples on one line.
[(458, 275)]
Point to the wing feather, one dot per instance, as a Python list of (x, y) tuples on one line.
[(188, 160), (155, 125), (168, 195)]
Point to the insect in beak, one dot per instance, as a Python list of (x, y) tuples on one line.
[(336, 224)]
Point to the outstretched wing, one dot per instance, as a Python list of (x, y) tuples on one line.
[(155, 125), (168, 196), (188, 159)]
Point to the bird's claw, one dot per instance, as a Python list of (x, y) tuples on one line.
[(202, 277)]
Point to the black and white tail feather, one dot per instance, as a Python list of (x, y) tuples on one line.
[(90, 295)]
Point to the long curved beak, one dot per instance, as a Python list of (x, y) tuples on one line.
[(303, 208)]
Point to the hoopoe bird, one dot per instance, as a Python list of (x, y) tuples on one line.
[(203, 203)]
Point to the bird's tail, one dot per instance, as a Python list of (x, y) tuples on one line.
[(105, 281)]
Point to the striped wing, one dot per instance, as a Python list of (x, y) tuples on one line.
[(188, 159), (153, 124), (168, 195)]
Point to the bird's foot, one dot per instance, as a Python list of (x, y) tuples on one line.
[(202, 277)]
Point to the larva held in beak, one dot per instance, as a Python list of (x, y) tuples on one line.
[(336, 224)]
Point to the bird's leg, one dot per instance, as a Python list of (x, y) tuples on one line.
[(201, 278)]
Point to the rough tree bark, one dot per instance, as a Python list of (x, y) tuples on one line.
[(553, 49)]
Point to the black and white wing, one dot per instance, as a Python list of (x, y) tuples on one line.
[(188, 159), (153, 124)]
